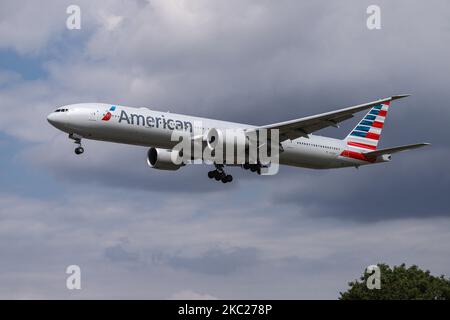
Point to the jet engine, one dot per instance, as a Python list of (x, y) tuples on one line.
[(162, 159), (220, 140)]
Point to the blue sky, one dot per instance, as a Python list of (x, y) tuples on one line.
[(140, 233), (28, 67)]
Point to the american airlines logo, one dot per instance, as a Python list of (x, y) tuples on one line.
[(153, 122), (108, 115)]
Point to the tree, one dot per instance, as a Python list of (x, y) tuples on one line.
[(400, 283)]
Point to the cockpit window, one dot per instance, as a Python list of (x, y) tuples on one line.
[(61, 110)]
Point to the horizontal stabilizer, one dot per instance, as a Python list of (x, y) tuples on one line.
[(374, 154)]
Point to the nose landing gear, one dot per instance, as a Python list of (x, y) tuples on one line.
[(78, 150), (219, 174)]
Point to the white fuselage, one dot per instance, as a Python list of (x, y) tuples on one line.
[(145, 127)]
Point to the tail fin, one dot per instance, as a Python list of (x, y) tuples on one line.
[(365, 136)]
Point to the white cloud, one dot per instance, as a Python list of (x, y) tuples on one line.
[(28, 26), (110, 21), (167, 250)]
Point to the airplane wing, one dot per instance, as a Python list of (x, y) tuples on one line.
[(297, 128), (376, 153)]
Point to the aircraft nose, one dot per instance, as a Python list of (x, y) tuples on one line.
[(57, 120), (51, 118)]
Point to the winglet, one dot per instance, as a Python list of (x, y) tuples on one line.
[(400, 96)]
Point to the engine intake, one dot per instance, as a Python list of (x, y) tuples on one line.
[(162, 159), (227, 145)]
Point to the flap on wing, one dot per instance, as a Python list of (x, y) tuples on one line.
[(376, 153), (296, 128)]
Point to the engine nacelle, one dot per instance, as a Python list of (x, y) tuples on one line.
[(162, 159), (222, 139), (238, 146)]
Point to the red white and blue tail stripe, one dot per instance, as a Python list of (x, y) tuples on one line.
[(365, 136)]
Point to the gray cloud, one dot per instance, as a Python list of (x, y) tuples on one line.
[(408, 187), (217, 261), (167, 251), (118, 253)]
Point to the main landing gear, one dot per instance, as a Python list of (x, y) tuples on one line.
[(252, 167), (219, 174), (78, 150)]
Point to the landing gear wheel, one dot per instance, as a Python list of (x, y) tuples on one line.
[(219, 174), (227, 178), (77, 138), (79, 150)]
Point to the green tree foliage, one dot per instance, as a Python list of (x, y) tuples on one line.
[(400, 283)]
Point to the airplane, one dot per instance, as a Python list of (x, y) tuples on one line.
[(298, 147)]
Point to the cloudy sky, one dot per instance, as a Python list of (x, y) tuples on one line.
[(139, 233)]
